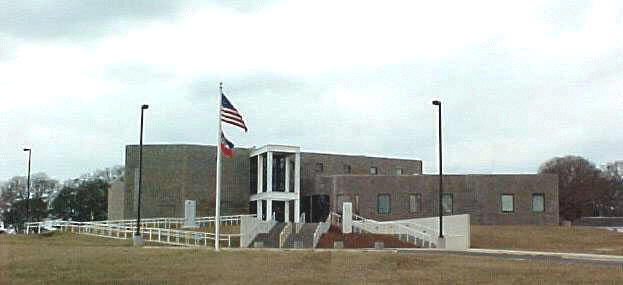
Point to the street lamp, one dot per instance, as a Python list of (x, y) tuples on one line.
[(28, 186), (438, 103), (138, 238)]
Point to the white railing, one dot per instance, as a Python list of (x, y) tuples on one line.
[(170, 222), (285, 233), (298, 226), (411, 233), (320, 230), (121, 231), (336, 219)]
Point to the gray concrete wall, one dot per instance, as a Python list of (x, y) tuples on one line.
[(116, 198), (477, 195)]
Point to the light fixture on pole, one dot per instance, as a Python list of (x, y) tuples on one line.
[(138, 238), (438, 103), (28, 186)]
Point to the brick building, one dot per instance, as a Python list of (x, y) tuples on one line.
[(283, 180)]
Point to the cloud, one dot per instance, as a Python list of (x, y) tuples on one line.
[(520, 83)]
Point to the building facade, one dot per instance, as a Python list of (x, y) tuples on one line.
[(283, 183), (489, 199)]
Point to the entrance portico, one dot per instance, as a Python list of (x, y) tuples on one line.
[(275, 164)]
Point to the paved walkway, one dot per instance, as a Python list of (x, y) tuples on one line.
[(519, 255), (559, 257)]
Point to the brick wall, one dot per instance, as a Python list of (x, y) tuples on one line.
[(175, 173), (477, 195), (333, 164)]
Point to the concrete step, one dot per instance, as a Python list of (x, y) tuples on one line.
[(270, 239), (303, 239)]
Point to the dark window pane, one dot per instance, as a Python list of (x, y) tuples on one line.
[(373, 170), (347, 169), (446, 202), (538, 202), (319, 167), (383, 204), (507, 203)]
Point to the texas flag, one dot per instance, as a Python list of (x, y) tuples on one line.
[(227, 147)]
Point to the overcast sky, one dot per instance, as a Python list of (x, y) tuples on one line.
[(520, 82)]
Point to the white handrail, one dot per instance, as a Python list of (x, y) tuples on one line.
[(285, 232), (390, 227), (120, 231), (321, 229)]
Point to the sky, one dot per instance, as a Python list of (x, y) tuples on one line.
[(520, 82)]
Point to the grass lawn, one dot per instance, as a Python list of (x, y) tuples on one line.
[(66, 258), (548, 238)]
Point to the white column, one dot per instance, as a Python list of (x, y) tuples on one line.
[(269, 209), (260, 170), (297, 187), (269, 171), (287, 174), (269, 184), (287, 203)]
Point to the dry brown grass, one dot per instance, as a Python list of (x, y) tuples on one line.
[(65, 258), (548, 238)]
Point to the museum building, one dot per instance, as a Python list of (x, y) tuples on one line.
[(282, 183)]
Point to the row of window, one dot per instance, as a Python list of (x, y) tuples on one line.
[(508, 202), (383, 203), (347, 169)]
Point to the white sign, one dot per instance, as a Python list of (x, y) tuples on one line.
[(347, 218), (189, 214)]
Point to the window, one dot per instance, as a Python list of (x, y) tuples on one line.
[(398, 171), (382, 204), (373, 170), (319, 167), (447, 203), (347, 169), (508, 201), (415, 203), (538, 202), (356, 206)]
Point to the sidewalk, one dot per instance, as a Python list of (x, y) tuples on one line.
[(588, 256), (561, 257), (471, 251)]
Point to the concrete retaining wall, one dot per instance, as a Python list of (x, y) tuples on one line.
[(456, 229)]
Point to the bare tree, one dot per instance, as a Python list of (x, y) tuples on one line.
[(582, 189)]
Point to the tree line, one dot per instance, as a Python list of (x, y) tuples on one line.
[(81, 199), (583, 190)]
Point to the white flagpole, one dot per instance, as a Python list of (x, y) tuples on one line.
[(217, 220)]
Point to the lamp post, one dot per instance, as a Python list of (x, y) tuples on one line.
[(138, 238), (28, 186), (438, 103)]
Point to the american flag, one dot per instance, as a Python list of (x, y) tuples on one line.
[(230, 115)]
